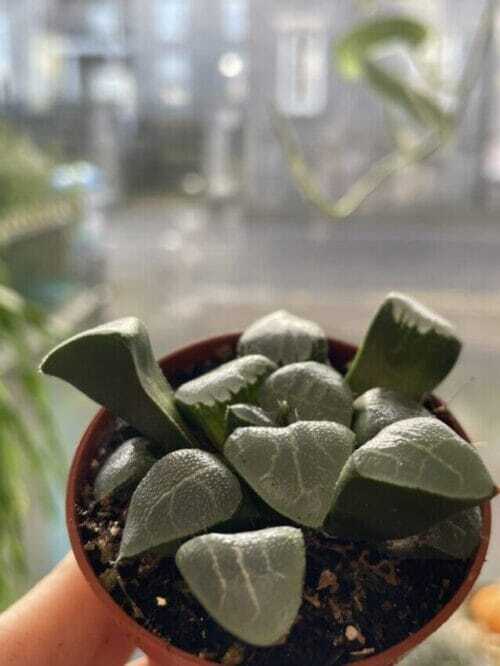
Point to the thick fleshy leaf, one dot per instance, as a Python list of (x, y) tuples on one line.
[(185, 492), (250, 583), (114, 365), (204, 400), (307, 391), (408, 348), (378, 408), (245, 416), (124, 468), (285, 338), (455, 538), (293, 469), (412, 475)]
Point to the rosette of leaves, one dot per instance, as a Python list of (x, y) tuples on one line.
[(285, 437)]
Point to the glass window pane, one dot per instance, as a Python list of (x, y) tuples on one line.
[(172, 18), (235, 19)]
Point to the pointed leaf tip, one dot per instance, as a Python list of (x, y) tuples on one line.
[(204, 400), (408, 348), (185, 492), (285, 339), (250, 582), (114, 365), (417, 471), (311, 391), (293, 469)]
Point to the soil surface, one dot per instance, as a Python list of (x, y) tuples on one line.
[(356, 602)]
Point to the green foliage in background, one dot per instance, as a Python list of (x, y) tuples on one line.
[(419, 124), (28, 440), (24, 171)]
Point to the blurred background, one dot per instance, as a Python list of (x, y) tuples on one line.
[(198, 163)]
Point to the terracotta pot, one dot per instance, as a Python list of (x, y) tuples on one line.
[(220, 349)]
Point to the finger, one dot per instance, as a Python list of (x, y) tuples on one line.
[(60, 622)]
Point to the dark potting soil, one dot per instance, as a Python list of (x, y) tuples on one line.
[(355, 602)]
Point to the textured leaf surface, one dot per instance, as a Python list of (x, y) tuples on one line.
[(124, 468), (408, 348), (293, 469), (184, 493), (250, 583), (285, 338), (457, 538), (204, 400), (311, 391), (244, 416), (114, 365), (378, 408), (409, 477)]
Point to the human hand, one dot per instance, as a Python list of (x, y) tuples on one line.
[(60, 622)]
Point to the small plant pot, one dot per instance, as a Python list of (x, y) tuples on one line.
[(175, 366)]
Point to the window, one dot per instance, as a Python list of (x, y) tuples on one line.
[(5, 61), (103, 18), (172, 19), (235, 20), (302, 72), (175, 79)]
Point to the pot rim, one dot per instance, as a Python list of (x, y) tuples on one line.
[(158, 648)]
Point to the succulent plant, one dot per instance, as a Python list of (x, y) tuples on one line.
[(279, 439)]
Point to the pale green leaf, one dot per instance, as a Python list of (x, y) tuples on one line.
[(250, 583), (455, 538), (408, 348), (244, 416), (355, 47), (412, 475), (310, 391), (378, 408), (204, 400), (114, 365), (285, 338), (293, 469), (124, 468), (185, 492)]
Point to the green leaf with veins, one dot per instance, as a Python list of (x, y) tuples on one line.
[(114, 365), (408, 348), (244, 416), (378, 408), (204, 400), (124, 468), (412, 475), (285, 339), (455, 538), (185, 492), (250, 583), (311, 391), (293, 469)]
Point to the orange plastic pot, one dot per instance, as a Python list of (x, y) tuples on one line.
[(220, 349)]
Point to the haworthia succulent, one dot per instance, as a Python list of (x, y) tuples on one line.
[(204, 400), (378, 408), (293, 469), (244, 416), (285, 339), (408, 348), (454, 538), (310, 391), (185, 492), (251, 582), (114, 365), (124, 468), (412, 475)]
